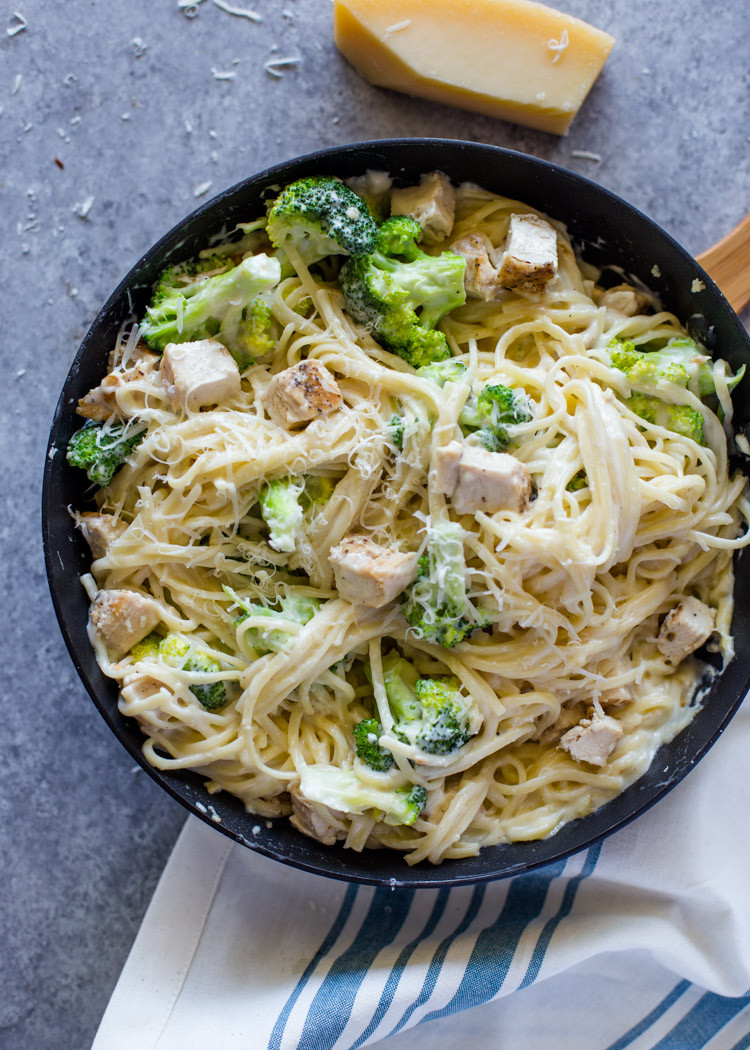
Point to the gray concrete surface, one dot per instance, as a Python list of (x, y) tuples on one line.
[(116, 101)]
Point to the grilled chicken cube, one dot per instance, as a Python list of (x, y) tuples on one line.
[(367, 574), (316, 820), (123, 618), (625, 300), (530, 259), (302, 393), (685, 629), (476, 479), (593, 740), (198, 374), (481, 278), (373, 187), (432, 203), (101, 402), (570, 715), (100, 530)]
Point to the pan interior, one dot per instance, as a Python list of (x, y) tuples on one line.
[(607, 231)]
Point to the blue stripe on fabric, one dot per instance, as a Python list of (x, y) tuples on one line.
[(743, 1044), (331, 1008), (398, 967), (540, 949), (496, 945), (329, 940), (707, 1017), (436, 965), (651, 1018)]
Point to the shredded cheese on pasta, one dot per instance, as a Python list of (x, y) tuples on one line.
[(578, 581)]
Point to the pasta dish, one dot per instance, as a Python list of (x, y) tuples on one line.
[(409, 524)]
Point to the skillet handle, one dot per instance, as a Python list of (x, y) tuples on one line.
[(728, 262)]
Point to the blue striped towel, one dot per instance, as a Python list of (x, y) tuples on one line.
[(642, 942)]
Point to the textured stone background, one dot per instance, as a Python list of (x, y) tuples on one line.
[(124, 96)]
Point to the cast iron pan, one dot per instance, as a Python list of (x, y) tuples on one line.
[(607, 230)]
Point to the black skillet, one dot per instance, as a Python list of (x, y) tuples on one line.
[(608, 231)]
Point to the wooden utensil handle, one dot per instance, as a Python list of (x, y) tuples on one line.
[(728, 262)]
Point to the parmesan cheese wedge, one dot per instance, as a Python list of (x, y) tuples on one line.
[(513, 59)]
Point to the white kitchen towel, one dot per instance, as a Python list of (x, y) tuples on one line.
[(641, 942)]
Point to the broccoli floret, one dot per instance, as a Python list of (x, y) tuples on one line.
[(396, 429), (488, 415), (341, 789), (212, 695), (148, 649), (400, 678), (299, 608), (578, 481), (316, 493), (222, 306), (178, 653), (258, 334), (436, 605), (448, 719), (101, 450), (187, 278), (321, 216), (366, 735), (680, 361), (304, 307), (679, 418), (281, 510), (401, 293), (429, 713), (442, 372)]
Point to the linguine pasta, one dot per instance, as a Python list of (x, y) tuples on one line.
[(577, 584)]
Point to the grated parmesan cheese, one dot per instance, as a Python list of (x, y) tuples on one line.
[(17, 26), (203, 188), (558, 46), (83, 208), (697, 286), (273, 65), (399, 26), (189, 7), (238, 12), (218, 75), (17, 84), (584, 154)]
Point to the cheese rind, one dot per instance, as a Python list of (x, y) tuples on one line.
[(505, 58)]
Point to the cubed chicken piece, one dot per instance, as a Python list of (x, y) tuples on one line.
[(432, 203), (122, 618), (101, 402), (481, 278), (570, 715), (685, 629), (593, 740), (530, 259), (100, 530), (476, 479), (198, 374), (316, 820), (624, 300), (367, 574), (373, 187), (301, 393)]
